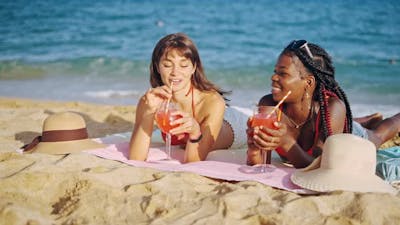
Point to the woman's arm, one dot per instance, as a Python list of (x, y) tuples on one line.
[(144, 122), (254, 155), (272, 138), (141, 135), (210, 128), (269, 139), (212, 114), (296, 154)]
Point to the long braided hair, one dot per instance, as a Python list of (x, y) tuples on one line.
[(319, 63)]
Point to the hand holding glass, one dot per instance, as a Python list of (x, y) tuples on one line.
[(164, 119), (265, 116)]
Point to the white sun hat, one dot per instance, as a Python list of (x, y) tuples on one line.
[(62, 133), (347, 163)]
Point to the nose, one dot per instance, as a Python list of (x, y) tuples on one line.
[(274, 77), (174, 70)]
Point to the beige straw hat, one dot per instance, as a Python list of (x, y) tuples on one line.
[(347, 163), (63, 133)]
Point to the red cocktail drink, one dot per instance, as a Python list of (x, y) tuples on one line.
[(164, 119), (262, 119), (264, 116)]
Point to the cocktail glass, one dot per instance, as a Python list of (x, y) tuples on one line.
[(164, 119), (265, 116)]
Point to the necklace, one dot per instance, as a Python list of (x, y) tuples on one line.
[(296, 125)]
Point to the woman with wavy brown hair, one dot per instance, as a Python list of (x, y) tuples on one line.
[(176, 73)]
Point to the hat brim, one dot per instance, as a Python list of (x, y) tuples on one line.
[(66, 147), (315, 164), (327, 180)]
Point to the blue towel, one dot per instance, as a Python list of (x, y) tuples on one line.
[(388, 163)]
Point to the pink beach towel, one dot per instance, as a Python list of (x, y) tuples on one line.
[(276, 176)]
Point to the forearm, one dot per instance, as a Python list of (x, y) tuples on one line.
[(139, 145), (294, 153), (207, 126), (141, 137), (198, 150), (254, 156), (298, 157), (192, 153)]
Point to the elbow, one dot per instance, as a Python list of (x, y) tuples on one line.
[(299, 165), (302, 164), (193, 159), (253, 156), (137, 152), (136, 157)]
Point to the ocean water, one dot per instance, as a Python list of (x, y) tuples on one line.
[(99, 51)]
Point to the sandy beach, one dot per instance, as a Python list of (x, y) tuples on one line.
[(85, 189)]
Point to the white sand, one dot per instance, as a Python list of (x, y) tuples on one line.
[(85, 189)]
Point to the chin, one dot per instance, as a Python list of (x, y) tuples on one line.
[(276, 95)]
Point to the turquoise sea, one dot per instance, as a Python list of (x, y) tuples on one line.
[(99, 51)]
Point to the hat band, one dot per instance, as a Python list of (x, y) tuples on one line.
[(56, 136), (64, 135)]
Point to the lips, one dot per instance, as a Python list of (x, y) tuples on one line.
[(175, 81), (275, 90)]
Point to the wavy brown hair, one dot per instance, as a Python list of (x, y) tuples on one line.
[(183, 44)]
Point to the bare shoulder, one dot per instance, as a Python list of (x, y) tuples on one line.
[(211, 105), (213, 99), (337, 112), (336, 105)]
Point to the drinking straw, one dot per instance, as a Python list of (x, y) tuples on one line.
[(169, 99), (279, 103), (267, 155), (279, 115)]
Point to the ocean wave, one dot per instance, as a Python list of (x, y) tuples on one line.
[(112, 94), (17, 70), (84, 66)]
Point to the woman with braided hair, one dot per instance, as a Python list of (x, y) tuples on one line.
[(316, 108)]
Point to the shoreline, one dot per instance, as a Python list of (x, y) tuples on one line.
[(85, 189)]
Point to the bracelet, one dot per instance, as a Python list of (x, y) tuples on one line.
[(196, 140)]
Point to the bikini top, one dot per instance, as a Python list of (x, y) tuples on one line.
[(283, 154), (183, 138)]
